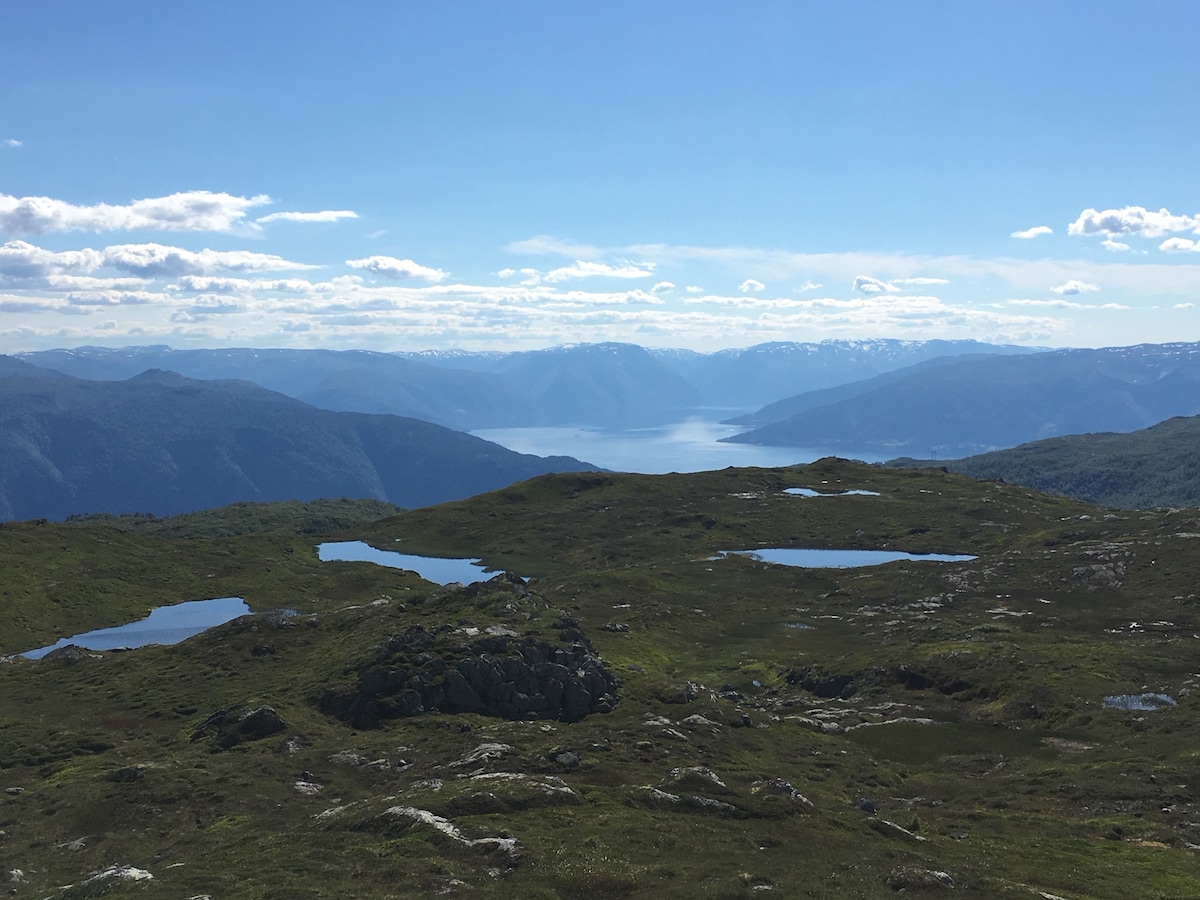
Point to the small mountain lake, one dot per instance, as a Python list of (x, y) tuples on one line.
[(164, 625), (838, 559), (439, 570), (809, 492), (1139, 702)]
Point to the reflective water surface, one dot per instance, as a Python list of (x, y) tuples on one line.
[(690, 446), (432, 568), (839, 559), (809, 492), (164, 625)]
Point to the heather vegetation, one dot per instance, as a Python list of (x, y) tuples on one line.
[(762, 729), (1157, 466)]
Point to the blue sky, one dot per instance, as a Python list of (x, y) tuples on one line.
[(522, 174)]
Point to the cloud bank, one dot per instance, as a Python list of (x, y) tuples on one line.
[(390, 267), (184, 211)]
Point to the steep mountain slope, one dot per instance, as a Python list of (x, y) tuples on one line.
[(344, 381), (764, 373), (610, 385), (166, 444), (11, 365), (1156, 466), (784, 409), (972, 404)]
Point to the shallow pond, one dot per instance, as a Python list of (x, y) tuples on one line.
[(164, 625), (1138, 702), (809, 492), (839, 559), (432, 568)]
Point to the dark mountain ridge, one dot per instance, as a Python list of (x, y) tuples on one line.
[(981, 403), (1152, 467), (608, 385), (164, 444), (339, 380)]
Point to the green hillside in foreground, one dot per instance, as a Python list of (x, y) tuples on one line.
[(1156, 466), (641, 718)]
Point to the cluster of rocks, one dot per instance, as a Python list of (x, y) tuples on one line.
[(499, 674)]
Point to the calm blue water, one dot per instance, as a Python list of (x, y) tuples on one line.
[(838, 559), (431, 568), (809, 492), (164, 625), (690, 446)]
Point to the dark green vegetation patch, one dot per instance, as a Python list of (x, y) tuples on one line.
[(911, 729), (1156, 466)]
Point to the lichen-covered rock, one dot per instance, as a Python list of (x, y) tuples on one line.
[(498, 675), (907, 879)]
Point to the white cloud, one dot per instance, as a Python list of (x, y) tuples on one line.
[(506, 273), (13, 142), (1179, 245), (588, 269), (546, 245), (1135, 220), (112, 297), (662, 287), (921, 280), (1064, 304), (694, 289), (1073, 287), (1033, 232), (391, 267), (19, 259), (328, 215), (1116, 246), (226, 285), (1184, 305), (157, 260), (751, 284), (187, 211), (865, 284), (808, 286)]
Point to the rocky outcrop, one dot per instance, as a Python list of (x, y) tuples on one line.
[(499, 675), (506, 850), (232, 729)]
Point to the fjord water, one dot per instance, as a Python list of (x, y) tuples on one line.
[(690, 446), (164, 625), (439, 570)]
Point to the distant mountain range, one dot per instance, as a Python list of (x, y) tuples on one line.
[(969, 404), (609, 385), (1153, 467), (164, 444)]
